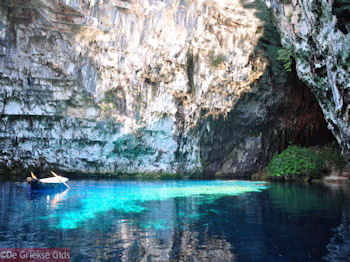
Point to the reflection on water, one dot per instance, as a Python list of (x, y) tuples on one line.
[(53, 196), (181, 220)]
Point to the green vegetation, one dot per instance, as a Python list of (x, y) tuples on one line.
[(217, 60), (286, 56), (303, 163), (296, 160), (131, 147)]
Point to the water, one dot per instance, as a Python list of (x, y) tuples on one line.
[(181, 220)]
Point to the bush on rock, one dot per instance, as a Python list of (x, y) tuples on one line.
[(296, 161)]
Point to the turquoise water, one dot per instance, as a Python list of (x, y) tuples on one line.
[(181, 220), (130, 197)]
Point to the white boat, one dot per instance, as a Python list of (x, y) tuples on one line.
[(47, 183), (53, 180)]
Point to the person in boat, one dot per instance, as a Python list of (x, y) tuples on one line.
[(52, 181), (31, 180)]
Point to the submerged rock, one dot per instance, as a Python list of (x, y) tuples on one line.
[(342, 175), (146, 87)]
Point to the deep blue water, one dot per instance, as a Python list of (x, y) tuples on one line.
[(181, 220)]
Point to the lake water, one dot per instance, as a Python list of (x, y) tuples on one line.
[(181, 220)]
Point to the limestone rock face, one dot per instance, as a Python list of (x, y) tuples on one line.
[(318, 34), (146, 86)]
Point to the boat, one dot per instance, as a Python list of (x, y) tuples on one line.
[(47, 183)]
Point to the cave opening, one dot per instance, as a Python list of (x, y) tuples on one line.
[(308, 126), (341, 9)]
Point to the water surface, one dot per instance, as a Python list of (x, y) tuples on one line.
[(181, 220)]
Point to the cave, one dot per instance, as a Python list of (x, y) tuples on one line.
[(341, 9)]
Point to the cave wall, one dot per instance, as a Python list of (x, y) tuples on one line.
[(317, 32), (146, 87)]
